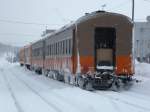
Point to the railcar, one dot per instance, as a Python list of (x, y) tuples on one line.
[(96, 50), (21, 57), (28, 56), (93, 52), (38, 53)]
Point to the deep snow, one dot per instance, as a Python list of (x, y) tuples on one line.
[(24, 91)]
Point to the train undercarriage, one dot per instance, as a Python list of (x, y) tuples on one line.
[(98, 81), (104, 81)]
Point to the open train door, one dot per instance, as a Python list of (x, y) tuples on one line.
[(105, 38)]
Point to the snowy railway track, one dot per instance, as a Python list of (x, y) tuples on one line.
[(38, 94), (18, 107), (56, 96), (124, 101), (112, 99)]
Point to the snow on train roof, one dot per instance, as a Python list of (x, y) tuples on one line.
[(72, 23), (100, 13), (84, 18), (87, 16)]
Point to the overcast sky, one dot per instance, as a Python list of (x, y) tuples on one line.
[(22, 21)]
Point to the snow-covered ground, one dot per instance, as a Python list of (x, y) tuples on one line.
[(24, 91)]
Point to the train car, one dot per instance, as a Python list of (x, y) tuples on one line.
[(22, 57), (28, 56), (95, 51), (38, 56), (58, 53)]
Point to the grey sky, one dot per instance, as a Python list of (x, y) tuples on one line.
[(56, 13)]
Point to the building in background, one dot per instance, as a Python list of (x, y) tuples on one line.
[(142, 40)]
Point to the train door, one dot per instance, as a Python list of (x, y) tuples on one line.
[(105, 48)]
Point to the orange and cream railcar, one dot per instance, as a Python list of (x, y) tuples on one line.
[(95, 51), (28, 56), (22, 57), (38, 56), (98, 45)]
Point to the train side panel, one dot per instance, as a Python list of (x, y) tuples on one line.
[(28, 56), (58, 52), (22, 56), (38, 56)]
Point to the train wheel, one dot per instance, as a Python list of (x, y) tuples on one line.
[(81, 83), (89, 86)]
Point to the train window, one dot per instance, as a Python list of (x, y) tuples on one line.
[(66, 47), (47, 50), (63, 47), (104, 37), (50, 52), (40, 51), (58, 48), (69, 46), (55, 49)]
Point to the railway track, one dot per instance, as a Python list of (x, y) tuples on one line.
[(139, 106), (113, 100), (55, 95), (17, 105), (51, 105)]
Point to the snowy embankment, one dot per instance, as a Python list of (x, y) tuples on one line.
[(24, 91)]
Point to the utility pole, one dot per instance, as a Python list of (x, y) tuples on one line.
[(133, 10)]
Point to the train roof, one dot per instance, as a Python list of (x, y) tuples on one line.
[(99, 13), (88, 16)]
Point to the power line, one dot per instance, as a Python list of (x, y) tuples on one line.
[(17, 34), (27, 23)]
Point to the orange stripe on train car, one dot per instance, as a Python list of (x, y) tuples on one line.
[(124, 65), (86, 63)]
